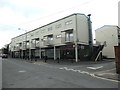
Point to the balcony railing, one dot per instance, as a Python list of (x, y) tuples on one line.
[(67, 40), (35, 45), (18, 48), (48, 42), (25, 47)]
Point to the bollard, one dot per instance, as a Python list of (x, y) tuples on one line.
[(45, 57), (117, 58), (58, 60)]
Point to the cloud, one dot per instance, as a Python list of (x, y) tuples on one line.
[(8, 16), (30, 14)]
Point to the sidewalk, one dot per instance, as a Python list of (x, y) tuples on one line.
[(109, 74), (68, 62)]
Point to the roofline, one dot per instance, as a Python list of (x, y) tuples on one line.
[(51, 23), (107, 26)]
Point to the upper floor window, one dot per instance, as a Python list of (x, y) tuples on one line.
[(31, 35), (69, 36), (58, 36), (27, 43), (43, 30), (33, 41), (58, 26), (68, 22), (44, 38), (20, 44), (50, 28), (119, 31), (37, 33)]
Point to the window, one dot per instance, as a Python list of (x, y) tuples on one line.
[(31, 35), (58, 26), (69, 36), (118, 31), (45, 38), (68, 22), (17, 45), (58, 36), (43, 30), (37, 41), (33, 41), (20, 44), (14, 47), (50, 28), (50, 38), (27, 43)]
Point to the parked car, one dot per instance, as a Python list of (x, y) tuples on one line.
[(4, 56)]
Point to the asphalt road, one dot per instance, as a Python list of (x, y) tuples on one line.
[(22, 74)]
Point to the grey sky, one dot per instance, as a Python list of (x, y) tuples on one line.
[(30, 14)]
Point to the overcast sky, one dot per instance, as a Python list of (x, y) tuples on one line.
[(30, 14)]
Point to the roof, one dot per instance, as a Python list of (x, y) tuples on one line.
[(51, 23), (107, 26)]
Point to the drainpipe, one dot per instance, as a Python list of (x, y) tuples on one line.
[(76, 44), (90, 36)]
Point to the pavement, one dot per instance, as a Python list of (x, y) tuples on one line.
[(108, 74)]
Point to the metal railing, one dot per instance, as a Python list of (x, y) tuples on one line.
[(48, 42), (67, 40)]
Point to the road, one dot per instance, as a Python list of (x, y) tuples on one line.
[(22, 74)]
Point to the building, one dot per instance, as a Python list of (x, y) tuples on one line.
[(111, 36), (66, 38)]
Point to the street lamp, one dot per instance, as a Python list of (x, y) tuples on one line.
[(25, 40)]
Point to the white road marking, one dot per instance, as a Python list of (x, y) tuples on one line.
[(95, 68), (105, 78), (21, 71)]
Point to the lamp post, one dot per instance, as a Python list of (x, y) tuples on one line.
[(25, 40)]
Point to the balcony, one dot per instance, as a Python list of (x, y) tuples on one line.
[(35, 45), (26, 47), (18, 48), (67, 40), (48, 42)]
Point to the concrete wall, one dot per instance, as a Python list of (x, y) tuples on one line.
[(110, 35), (82, 29), (57, 28)]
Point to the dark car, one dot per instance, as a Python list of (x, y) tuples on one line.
[(4, 56)]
